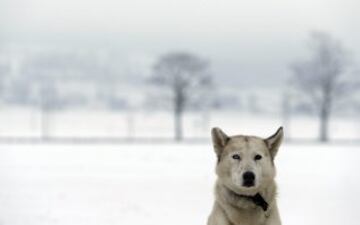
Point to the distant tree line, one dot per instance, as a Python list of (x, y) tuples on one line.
[(58, 80), (178, 81)]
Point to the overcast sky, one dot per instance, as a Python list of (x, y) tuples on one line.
[(248, 42)]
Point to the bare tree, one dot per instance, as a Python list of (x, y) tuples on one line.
[(322, 78), (186, 77), (4, 71)]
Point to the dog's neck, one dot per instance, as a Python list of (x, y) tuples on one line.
[(262, 199), (257, 199)]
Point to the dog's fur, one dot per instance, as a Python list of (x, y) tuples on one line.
[(234, 203)]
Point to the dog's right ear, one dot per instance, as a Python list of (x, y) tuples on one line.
[(274, 141), (219, 139)]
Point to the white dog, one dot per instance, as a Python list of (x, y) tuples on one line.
[(245, 189)]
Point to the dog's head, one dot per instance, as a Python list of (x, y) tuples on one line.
[(245, 163)]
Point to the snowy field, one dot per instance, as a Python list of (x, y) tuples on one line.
[(20, 122), (164, 184)]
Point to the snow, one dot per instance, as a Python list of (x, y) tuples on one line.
[(138, 184)]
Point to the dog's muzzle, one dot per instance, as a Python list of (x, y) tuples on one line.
[(248, 179)]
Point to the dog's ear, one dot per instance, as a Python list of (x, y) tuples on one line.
[(219, 139), (274, 141)]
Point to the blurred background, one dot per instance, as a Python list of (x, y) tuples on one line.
[(135, 70), (94, 93)]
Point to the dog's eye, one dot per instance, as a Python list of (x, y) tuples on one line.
[(258, 157), (236, 156)]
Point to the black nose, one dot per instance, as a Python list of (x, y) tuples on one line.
[(248, 179)]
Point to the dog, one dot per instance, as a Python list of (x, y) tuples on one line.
[(245, 190)]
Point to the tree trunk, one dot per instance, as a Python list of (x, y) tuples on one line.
[(44, 119), (130, 120), (179, 102), (178, 125), (44, 124), (324, 125)]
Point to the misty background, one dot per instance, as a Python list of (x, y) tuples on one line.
[(84, 69)]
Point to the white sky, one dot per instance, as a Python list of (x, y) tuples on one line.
[(247, 41)]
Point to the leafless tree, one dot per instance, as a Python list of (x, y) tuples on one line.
[(321, 78), (4, 70), (185, 76)]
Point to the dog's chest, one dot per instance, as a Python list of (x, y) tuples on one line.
[(246, 217)]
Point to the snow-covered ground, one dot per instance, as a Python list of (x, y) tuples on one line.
[(137, 184)]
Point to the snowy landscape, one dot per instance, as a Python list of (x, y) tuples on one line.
[(158, 125), (136, 184), (106, 107)]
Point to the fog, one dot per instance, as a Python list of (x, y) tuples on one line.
[(79, 57), (236, 36)]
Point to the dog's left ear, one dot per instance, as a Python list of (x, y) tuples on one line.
[(274, 141), (220, 139)]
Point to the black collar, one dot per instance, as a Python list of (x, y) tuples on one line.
[(256, 199)]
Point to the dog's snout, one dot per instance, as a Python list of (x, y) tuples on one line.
[(248, 179)]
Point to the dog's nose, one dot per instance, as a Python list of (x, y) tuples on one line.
[(248, 179), (248, 176)]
